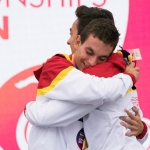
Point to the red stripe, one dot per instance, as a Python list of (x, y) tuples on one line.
[(51, 69), (144, 131)]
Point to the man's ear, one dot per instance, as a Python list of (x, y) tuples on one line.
[(77, 42)]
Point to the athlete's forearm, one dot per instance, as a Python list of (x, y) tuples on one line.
[(81, 88), (55, 113)]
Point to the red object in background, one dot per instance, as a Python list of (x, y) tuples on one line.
[(138, 34), (4, 33), (12, 103)]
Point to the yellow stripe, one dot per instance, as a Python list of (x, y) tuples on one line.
[(67, 57), (58, 78), (130, 90)]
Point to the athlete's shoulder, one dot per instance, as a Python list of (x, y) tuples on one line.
[(53, 68), (60, 61)]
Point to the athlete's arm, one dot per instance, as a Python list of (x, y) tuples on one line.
[(55, 113), (77, 87), (68, 84), (46, 108)]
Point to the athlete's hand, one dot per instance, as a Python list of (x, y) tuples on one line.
[(133, 70), (133, 122)]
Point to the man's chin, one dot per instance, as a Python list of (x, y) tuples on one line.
[(83, 68)]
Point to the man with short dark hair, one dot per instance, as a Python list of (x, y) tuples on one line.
[(84, 16)]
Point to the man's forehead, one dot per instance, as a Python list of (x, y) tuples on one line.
[(74, 25), (97, 46)]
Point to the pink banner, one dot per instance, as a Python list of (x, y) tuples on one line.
[(138, 34)]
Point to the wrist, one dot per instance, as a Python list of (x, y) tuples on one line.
[(140, 136), (132, 77)]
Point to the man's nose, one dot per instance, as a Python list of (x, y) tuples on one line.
[(68, 42), (93, 62)]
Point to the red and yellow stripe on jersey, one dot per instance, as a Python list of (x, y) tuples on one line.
[(51, 73)]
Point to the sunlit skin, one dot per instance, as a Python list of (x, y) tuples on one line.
[(93, 51)]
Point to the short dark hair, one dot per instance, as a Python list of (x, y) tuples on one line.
[(103, 29), (86, 14)]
